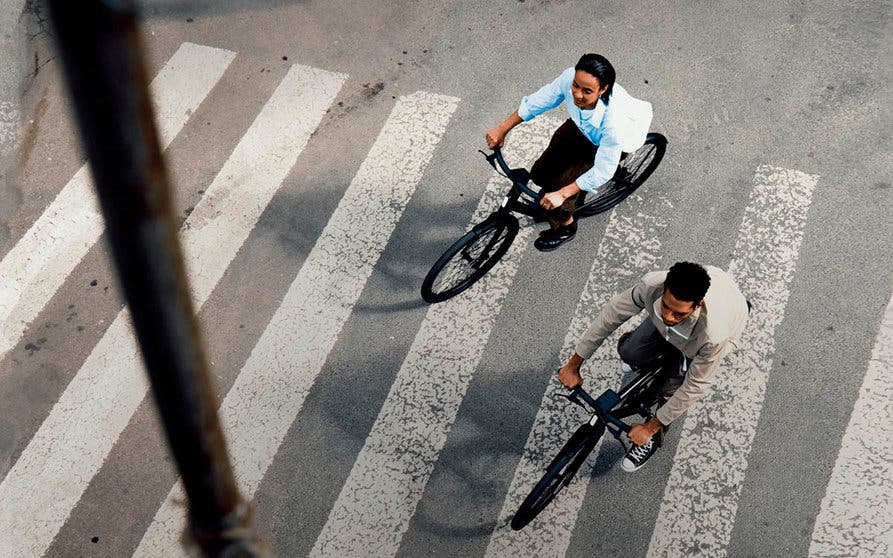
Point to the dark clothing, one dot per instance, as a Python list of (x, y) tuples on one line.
[(568, 156), (645, 346)]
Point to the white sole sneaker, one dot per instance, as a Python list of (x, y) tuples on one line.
[(631, 466)]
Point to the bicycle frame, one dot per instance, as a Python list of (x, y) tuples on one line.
[(606, 409), (513, 202)]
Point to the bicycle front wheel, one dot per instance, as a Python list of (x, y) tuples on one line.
[(631, 173), (469, 258), (559, 473)]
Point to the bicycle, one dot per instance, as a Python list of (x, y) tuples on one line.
[(638, 397), (475, 253)]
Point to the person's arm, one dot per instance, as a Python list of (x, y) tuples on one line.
[(620, 308), (697, 380), (606, 160), (495, 136), (640, 433), (555, 199), (546, 98)]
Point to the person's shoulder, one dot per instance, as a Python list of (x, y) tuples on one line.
[(721, 282), (726, 306), (617, 106), (619, 92), (567, 76), (655, 278)]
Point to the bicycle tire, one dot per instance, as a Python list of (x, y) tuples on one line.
[(631, 173), (493, 237), (559, 473)]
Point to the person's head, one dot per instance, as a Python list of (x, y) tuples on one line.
[(593, 79), (684, 291)]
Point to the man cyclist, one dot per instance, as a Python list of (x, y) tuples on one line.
[(692, 310), (584, 151)]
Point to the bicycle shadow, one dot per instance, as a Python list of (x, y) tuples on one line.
[(402, 262)]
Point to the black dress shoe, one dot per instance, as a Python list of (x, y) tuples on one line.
[(551, 239)]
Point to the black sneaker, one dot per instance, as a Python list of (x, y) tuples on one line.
[(638, 455), (553, 238)]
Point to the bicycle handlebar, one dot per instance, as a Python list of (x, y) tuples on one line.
[(497, 156), (602, 405)]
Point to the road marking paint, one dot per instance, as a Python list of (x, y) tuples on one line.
[(379, 497), (701, 497), (38, 264), (49, 477), (855, 516), (629, 249), (283, 366)]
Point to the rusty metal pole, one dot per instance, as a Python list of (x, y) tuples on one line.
[(102, 55)]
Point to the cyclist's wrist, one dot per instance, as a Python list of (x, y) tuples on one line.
[(570, 190), (654, 425), (576, 360), (510, 122)]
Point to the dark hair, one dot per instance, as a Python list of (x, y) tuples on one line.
[(687, 281), (598, 66)]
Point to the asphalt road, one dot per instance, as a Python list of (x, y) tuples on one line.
[(407, 424)]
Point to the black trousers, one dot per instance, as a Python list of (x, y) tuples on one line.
[(568, 155), (645, 346)]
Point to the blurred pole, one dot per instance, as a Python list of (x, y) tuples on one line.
[(102, 55)]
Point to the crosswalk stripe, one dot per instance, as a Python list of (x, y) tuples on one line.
[(397, 459), (629, 249), (855, 517), (38, 264), (283, 366), (49, 477), (701, 497)]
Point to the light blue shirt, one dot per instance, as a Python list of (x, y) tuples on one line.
[(598, 124)]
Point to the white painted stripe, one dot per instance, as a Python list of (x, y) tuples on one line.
[(283, 366), (855, 518), (38, 264), (628, 250), (701, 497), (377, 501), (69, 448)]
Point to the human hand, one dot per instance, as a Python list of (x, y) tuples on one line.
[(569, 376), (553, 200), (641, 433), (494, 137)]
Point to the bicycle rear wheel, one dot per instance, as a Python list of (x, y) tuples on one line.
[(559, 473), (631, 173), (469, 258)]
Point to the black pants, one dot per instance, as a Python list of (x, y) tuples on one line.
[(645, 346), (568, 155)]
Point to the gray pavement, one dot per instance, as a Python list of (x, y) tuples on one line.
[(802, 86)]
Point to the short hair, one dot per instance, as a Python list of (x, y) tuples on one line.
[(687, 281), (598, 66)]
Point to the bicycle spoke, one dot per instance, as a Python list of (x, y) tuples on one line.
[(470, 259), (639, 160)]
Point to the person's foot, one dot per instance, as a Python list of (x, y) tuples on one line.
[(637, 456), (553, 238)]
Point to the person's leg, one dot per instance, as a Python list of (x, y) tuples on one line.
[(568, 155), (675, 369), (644, 345), (546, 171)]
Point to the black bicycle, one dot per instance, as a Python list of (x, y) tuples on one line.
[(473, 255), (638, 397)]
